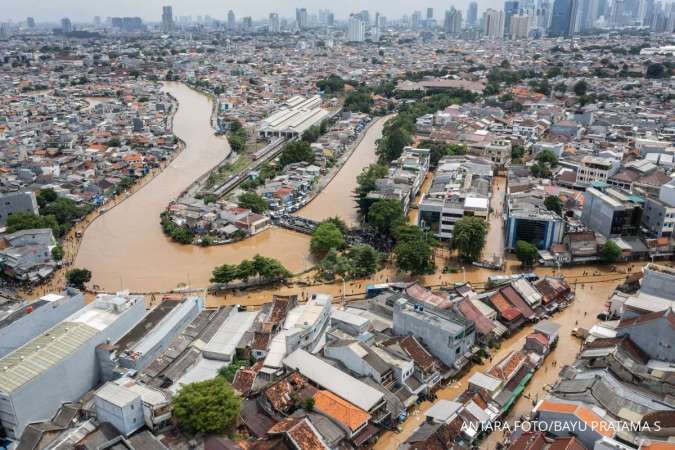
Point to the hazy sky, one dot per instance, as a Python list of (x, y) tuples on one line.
[(150, 10)]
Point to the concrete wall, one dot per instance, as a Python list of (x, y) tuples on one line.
[(126, 419), (40, 320), (351, 360), (69, 379)]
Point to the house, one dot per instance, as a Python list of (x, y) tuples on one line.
[(591, 425)]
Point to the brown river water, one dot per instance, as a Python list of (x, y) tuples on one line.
[(126, 249)]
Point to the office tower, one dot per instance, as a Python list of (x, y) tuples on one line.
[(416, 19), (453, 21), (511, 8), (127, 23), (586, 14), (273, 25), (247, 22), (520, 26), (365, 17), (377, 20), (231, 20), (66, 25), (30, 23), (357, 29), (167, 18), (4, 30), (97, 21), (330, 19), (472, 14), (301, 18), (382, 22), (493, 24), (430, 13), (563, 18)]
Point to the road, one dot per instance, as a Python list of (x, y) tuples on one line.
[(494, 245)]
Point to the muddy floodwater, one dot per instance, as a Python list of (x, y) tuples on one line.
[(337, 199), (125, 246)]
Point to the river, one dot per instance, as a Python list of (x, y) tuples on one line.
[(337, 199), (125, 247)]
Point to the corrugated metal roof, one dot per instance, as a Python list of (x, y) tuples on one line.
[(42, 353)]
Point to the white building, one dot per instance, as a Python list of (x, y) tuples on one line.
[(520, 26), (493, 24), (357, 29), (593, 168), (295, 116), (60, 365)]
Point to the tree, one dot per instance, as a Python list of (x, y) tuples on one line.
[(46, 196), (656, 70), (547, 157), (66, 212), (553, 203), (269, 269), (580, 88), (414, 256), (468, 237), (342, 226), (331, 85), (364, 260), (29, 221), (309, 404), (209, 406), (253, 201), (225, 274), (326, 236), (245, 270), (358, 101), (517, 152), (385, 214), (391, 146), (611, 252), (78, 277), (296, 151), (57, 253), (366, 184), (526, 253)]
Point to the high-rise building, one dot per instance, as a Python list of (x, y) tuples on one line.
[(247, 22), (520, 26), (365, 17), (430, 13), (301, 18), (231, 20), (511, 8), (493, 24), (127, 23), (273, 24), (357, 29), (30, 23), (97, 21), (563, 18), (66, 25), (416, 19), (472, 14), (330, 19), (167, 18), (453, 21)]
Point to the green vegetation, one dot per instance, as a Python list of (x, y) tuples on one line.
[(441, 149), (331, 85), (58, 253), (517, 152), (296, 151), (267, 269), (366, 184), (546, 160), (57, 213), (228, 372), (179, 233), (46, 196), (313, 133), (610, 253), (209, 406), (359, 100), (28, 221), (384, 215), (66, 212), (415, 256), (253, 201), (553, 203), (657, 70), (580, 88), (78, 277), (357, 262), (237, 136), (526, 253), (327, 236), (468, 237)]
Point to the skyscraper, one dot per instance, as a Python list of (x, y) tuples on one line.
[(416, 19), (30, 23), (365, 17), (493, 24), (453, 21), (430, 13), (66, 25), (563, 18), (472, 14), (520, 26), (511, 8), (167, 18), (301, 18), (273, 25), (357, 29), (247, 22), (231, 20)]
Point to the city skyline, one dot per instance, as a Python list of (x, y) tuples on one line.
[(80, 11)]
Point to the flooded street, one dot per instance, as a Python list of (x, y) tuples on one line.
[(338, 197), (494, 241), (125, 247), (590, 300)]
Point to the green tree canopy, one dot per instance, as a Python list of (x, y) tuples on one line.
[(225, 274), (326, 236), (28, 221), (331, 85), (253, 201), (46, 196), (391, 145), (526, 253), (415, 256), (296, 151), (611, 252), (656, 70), (548, 157), (364, 260), (359, 100), (268, 269), (209, 406), (468, 237), (58, 253), (78, 277), (366, 184), (580, 88), (384, 215), (553, 203)]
